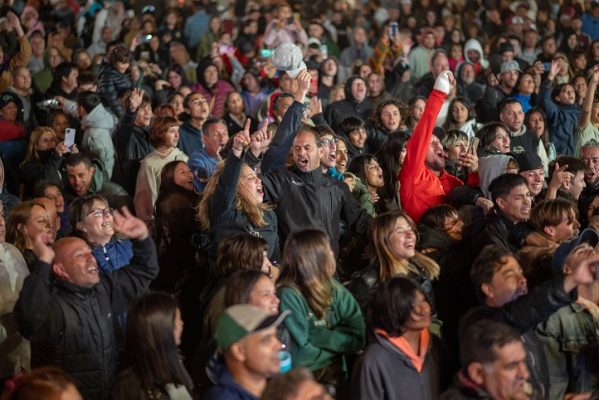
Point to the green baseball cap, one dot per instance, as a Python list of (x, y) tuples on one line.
[(241, 320)]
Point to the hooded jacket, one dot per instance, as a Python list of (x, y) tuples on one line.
[(336, 112), (473, 91), (97, 136), (489, 168), (73, 327), (473, 44)]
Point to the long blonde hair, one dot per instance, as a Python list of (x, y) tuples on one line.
[(253, 212), (308, 265), (35, 136), (389, 264)]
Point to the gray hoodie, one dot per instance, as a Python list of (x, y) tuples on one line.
[(489, 168), (97, 136)]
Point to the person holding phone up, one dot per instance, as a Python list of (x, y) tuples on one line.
[(284, 28)]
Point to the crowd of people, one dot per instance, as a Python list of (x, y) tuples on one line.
[(343, 199)]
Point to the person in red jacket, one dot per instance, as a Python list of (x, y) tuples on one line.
[(424, 183)]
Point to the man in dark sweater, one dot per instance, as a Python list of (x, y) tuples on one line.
[(68, 311)]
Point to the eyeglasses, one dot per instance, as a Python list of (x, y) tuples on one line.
[(329, 142), (100, 212)]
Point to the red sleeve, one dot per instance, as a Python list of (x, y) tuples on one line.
[(419, 143), (473, 179)]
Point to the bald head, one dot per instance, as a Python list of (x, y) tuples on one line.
[(75, 263)]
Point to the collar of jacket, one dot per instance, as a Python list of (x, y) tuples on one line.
[(69, 287), (315, 176), (498, 213)]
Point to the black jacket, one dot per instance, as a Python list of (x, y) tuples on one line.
[(226, 219), (336, 112), (47, 168), (365, 283), (111, 84), (131, 145), (305, 199), (73, 327), (499, 230)]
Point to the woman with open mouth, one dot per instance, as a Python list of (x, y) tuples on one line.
[(92, 221), (232, 201)]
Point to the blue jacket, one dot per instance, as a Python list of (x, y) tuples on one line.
[(226, 388), (190, 138), (116, 254), (561, 119)]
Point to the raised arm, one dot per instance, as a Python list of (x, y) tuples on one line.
[(546, 102), (225, 195), (34, 313), (419, 143), (587, 105), (130, 281), (276, 155)]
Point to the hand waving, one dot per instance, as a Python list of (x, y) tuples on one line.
[(130, 226)]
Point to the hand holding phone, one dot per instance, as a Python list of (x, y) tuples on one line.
[(69, 137)]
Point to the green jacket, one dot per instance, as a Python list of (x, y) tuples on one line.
[(317, 343)]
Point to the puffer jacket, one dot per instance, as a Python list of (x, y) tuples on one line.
[(132, 144), (336, 112), (111, 83), (561, 119), (305, 199), (73, 327), (97, 136)]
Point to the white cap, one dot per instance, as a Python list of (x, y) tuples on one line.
[(289, 58)]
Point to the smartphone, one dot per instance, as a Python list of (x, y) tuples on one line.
[(324, 49), (69, 137), (290, 20), (473, 145), (546, 67), (393, 29), (146, 38), (224, 49), (266, 53)]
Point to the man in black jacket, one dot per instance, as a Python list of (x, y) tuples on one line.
[(304, 196), (505, 225), (67, 310)]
